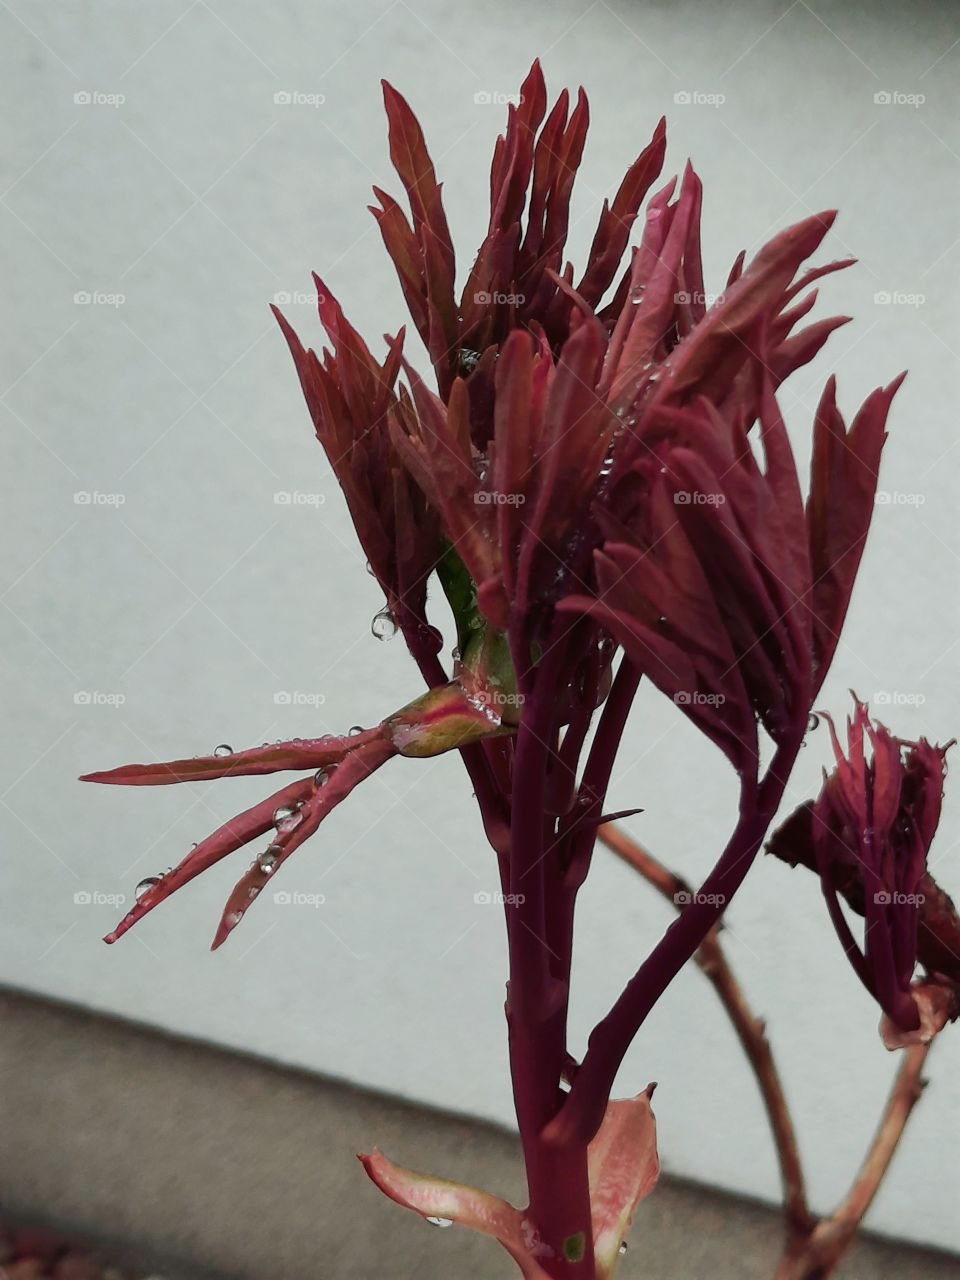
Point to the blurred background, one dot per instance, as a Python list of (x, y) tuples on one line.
[(178, 571)]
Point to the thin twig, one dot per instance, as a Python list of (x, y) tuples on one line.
[(816, 1258)]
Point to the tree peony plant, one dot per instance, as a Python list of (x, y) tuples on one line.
[(602, 486)]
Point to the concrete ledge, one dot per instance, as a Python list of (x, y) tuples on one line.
[(195, 1161)]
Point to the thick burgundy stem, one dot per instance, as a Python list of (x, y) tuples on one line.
[(612, 1036), (539, 981)]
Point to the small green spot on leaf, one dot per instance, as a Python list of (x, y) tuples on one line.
[(574, 1247)]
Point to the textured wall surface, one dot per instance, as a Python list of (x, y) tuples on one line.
[(158, 191)]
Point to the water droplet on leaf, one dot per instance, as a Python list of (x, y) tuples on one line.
[(286, 817), (224, 749), (269, 858), (145, 886), (439, 1222), (384, 625), (813, 722)]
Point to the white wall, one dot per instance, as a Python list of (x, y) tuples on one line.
[(199, 599)]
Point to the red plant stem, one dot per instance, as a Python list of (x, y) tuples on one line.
[(599, 766), (578, 837), (490, 799), (557, 1177), (584, 1108), (750, 1030)]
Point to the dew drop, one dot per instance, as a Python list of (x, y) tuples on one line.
[(269, 858), (370, 569), (321, 777), (384, 625), (623, 1248), (355, 729), (439, 1222), (224, 749), (813, 722), (287, 817), (145, 886)]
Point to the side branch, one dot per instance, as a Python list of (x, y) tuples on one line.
[(750, 1030), (816, 1257)]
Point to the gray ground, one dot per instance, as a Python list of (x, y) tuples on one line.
[(194, 1161)]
